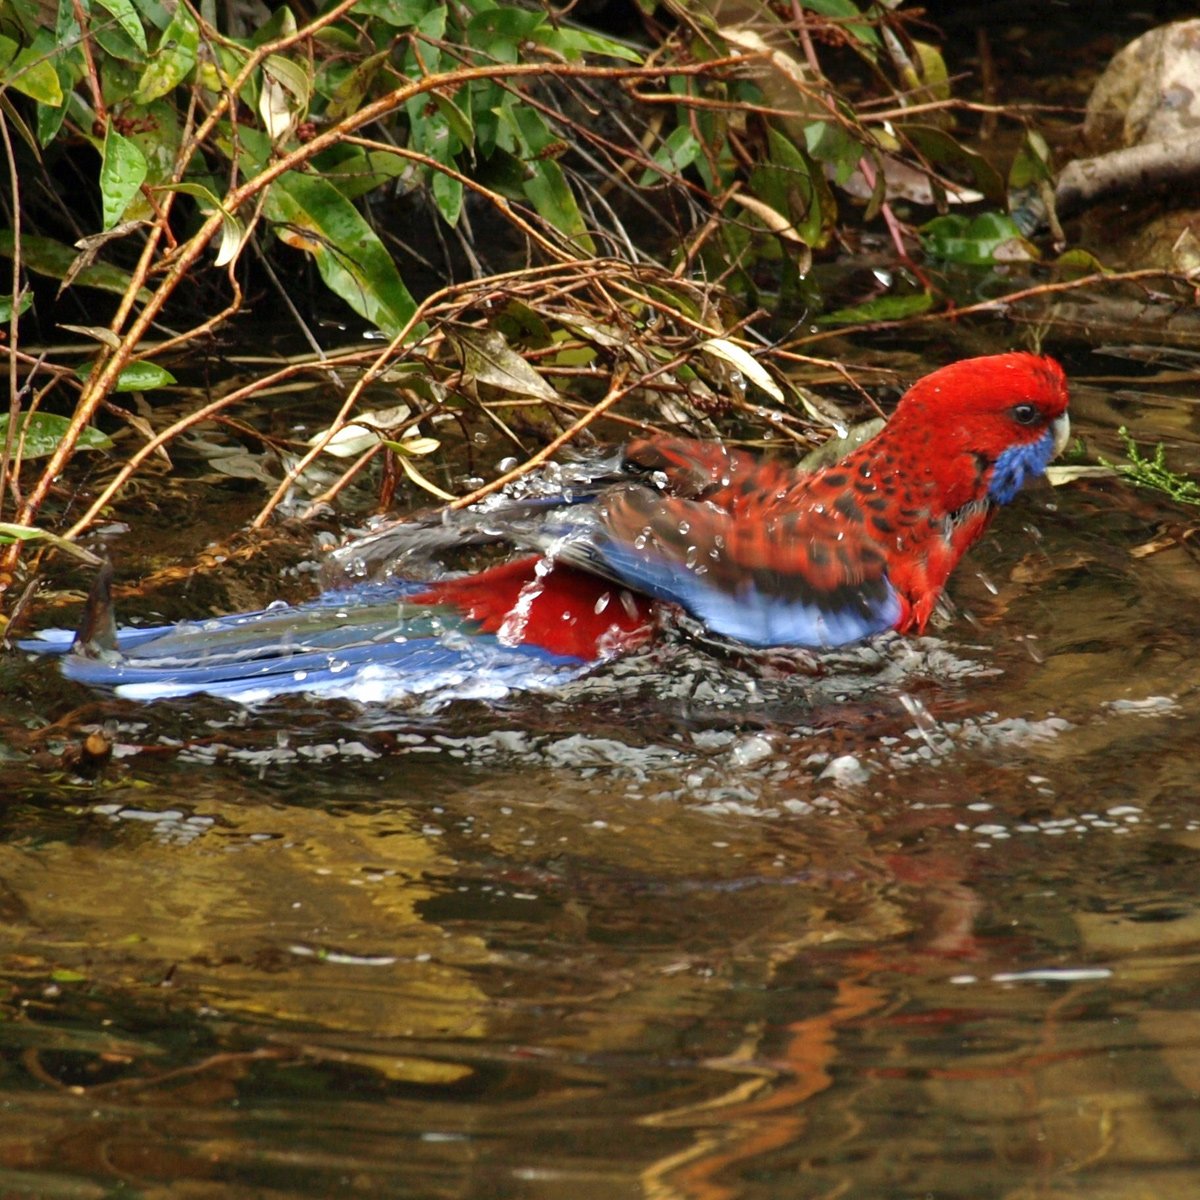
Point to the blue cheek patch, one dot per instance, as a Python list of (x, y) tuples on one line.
[(1019, 463)]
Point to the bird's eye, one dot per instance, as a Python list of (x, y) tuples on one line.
[(1025, 414)]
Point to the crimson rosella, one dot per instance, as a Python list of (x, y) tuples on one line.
[(755, 551)]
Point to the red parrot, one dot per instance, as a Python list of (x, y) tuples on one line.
[(756, 551)]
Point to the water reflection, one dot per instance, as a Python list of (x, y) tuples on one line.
[(913, 921)]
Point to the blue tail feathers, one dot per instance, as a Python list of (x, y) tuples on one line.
[(364, 643)]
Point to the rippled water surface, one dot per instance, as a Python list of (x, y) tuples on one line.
[(918, 920)]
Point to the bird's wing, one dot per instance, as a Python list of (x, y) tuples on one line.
[(791, 574)]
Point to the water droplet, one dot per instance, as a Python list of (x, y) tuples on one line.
[(603, 603), (684, 528), (692, 556)]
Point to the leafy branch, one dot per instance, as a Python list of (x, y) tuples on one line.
[(723, 146), (1154, 472)]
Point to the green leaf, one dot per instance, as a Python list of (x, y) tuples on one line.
[(457, 118), (488, 358), (1032, 162), (138, 376), (45, 256), (141, 376), (830, 142), (355, 172), (400, 14), (31, 71), (547, 187), (291, 76), (573, 44), (678, 151), (1076, 262), (174, 60), (498, 32), (44, 431), (883, 308), (155, 13), (350, 257), (231, 227), (349, 91), (282, 23), (62, 975), (128, 20), (448, 196), (122, 173), (10, 532), (118, 45), (24, 305), (943, 151), (975, 241), (845, 11), (796, 190)]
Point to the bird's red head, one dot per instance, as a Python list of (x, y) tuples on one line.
[(1004, 415)]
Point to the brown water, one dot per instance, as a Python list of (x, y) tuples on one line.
[(920, 924)]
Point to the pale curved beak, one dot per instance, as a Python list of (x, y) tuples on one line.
[(1062, 434)]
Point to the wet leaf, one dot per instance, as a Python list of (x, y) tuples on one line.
[(122, 173), (174, 59), (31, 71), (1057, 476), (350, 257), (367, 429), (127, 19), (44, 431), (975, 241), (487, 358)]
